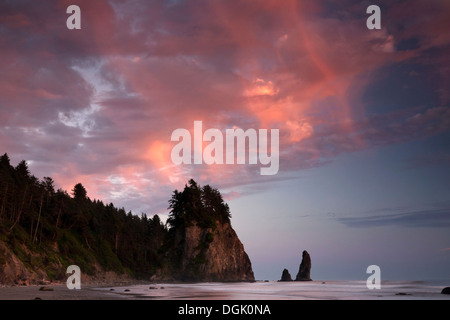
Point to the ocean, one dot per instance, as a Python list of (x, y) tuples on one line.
[(274, 290)]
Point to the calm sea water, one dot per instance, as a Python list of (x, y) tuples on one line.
[(273, 290)]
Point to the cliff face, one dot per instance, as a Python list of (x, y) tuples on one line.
[(12, 270), (31, 271), (210, 254)]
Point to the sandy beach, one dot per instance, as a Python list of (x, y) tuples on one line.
[(272, 290), (56, 292)]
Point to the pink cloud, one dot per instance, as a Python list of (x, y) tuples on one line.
[(105, 100)]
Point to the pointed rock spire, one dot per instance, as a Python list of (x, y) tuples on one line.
[(305, 268)]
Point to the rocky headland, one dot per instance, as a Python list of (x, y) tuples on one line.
[(44, 230)]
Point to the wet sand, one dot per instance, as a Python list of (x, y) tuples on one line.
[(57, 292)]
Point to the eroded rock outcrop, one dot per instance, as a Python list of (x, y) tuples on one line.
[(304, 272), (14, 272), (286, 276), (201, 244), (209, 254)]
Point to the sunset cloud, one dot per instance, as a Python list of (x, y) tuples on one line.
[(99, 105)]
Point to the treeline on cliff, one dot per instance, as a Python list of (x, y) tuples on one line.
[(46, 228)]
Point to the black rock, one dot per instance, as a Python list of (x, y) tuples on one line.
[(305, 268), (45, 289), (286, 276), (446, 290)]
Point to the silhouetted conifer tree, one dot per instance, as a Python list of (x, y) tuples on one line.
[(79, 192)]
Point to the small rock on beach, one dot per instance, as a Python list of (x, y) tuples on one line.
[(45, 289), (446, 290)]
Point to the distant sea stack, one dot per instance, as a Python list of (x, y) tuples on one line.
[(305, 268), (286, 276)]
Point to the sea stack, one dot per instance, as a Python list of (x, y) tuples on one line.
[(305, 268), (209, 254), (286, 276), (204, 247)]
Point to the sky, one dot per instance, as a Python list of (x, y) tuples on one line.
[(363, 118)]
